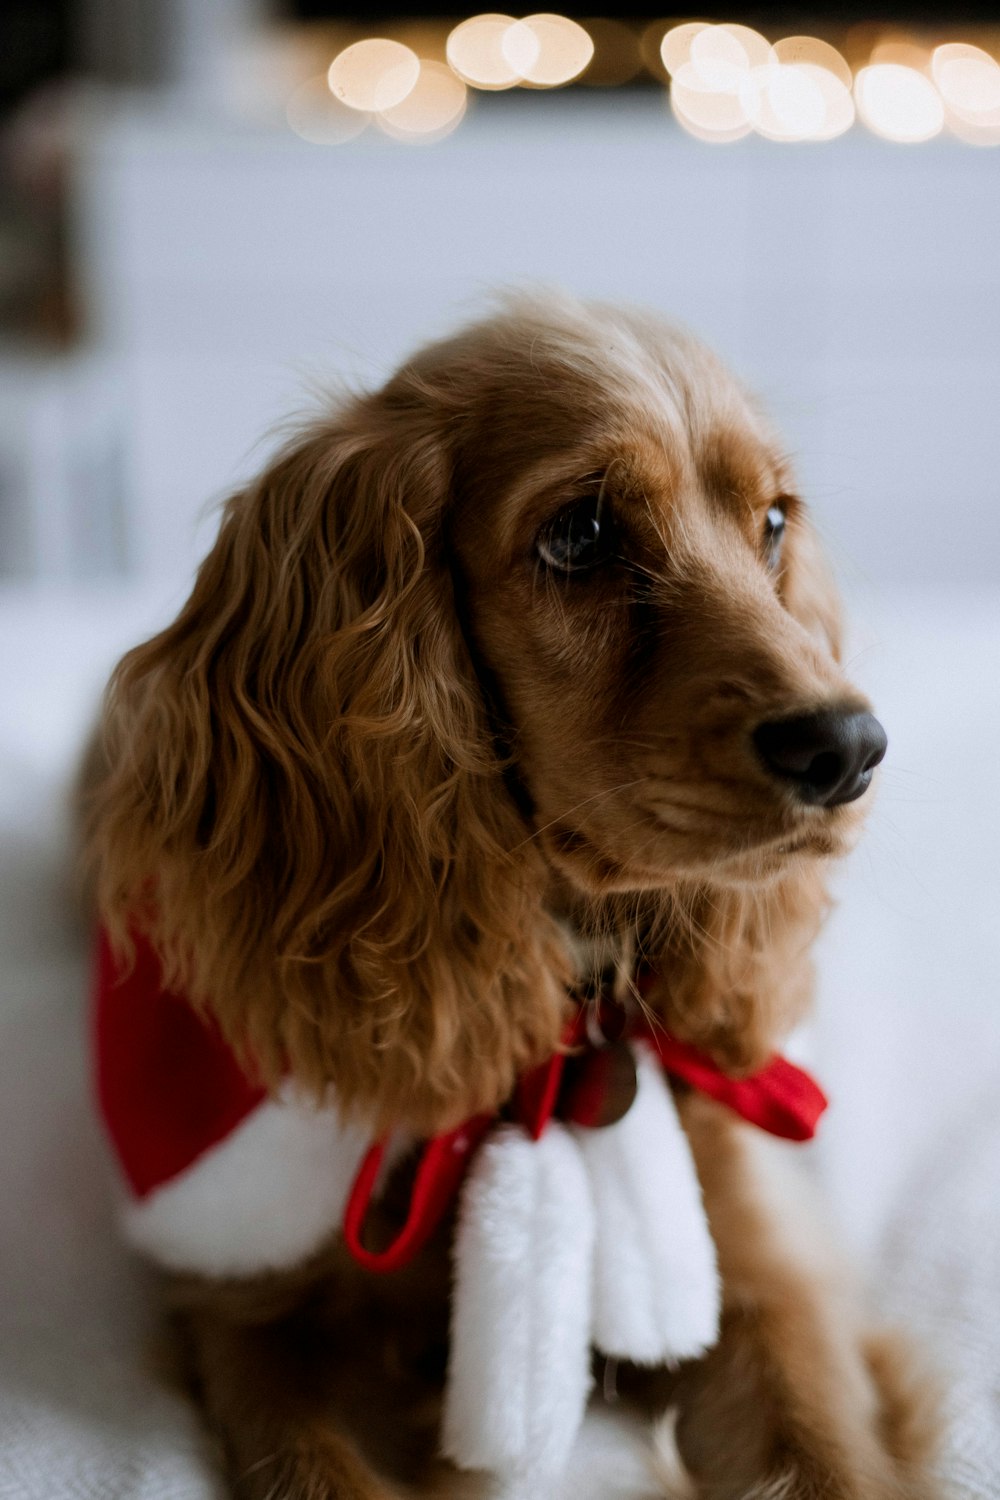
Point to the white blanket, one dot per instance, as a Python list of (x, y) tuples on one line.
[(940, 1272), (907, 1044)]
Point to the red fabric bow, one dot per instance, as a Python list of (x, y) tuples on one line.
[(780, 1098)]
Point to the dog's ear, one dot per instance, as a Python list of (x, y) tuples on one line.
[(304, 804), (734, 965)]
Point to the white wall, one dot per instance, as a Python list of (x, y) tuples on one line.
[(855, 284)]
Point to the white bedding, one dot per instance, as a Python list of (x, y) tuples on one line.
[(907, 1043)]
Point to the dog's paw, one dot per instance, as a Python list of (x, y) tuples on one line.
[(311, 1470), (668, 1467)]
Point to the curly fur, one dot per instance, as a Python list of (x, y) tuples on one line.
[(301, 760), (385, 776)]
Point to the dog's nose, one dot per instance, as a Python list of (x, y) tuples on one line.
[(828, 756)]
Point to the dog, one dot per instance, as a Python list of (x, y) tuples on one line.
[(514, 684)]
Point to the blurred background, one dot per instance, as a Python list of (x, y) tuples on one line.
[(209, 206), (214, 211)]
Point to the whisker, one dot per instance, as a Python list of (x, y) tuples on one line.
[(595, 797)]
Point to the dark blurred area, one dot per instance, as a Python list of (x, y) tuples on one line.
[(37, 46)]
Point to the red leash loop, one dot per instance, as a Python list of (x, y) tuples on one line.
[(442, 1166), (444, 1162)]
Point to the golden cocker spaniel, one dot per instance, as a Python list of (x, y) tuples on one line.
[(501, 687)]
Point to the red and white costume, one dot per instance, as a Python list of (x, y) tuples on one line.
[(569, 1236)]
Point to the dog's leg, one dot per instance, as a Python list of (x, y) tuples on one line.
[(320, 1386), (263, 1392), (911, 1404), (797, 1401)]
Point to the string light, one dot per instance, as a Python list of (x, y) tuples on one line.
[(717, 117), (786, 101), (812, 52), (711, 69), (723, 55), (564, 50), (804, 95), (492, 51), (898, 103), (316, 116), (373, 75), (968, 80), (726, 80), (675, 48), (431, 110)]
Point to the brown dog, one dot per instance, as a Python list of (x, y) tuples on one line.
[(523, 668)]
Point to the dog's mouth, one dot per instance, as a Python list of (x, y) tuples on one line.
[(796, 846), (657, 855), (592, 863), (771, 857)]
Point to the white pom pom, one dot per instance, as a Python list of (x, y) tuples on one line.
[(519, 1371), (656, 1285)]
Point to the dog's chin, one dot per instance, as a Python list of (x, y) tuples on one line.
[(766, 865), (596, 870)]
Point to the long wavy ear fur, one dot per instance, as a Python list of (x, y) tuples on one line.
[(303, 804)]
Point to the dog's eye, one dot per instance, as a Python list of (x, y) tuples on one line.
[(579, 538), (774, 532)]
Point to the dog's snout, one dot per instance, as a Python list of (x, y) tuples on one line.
[(828, 757)]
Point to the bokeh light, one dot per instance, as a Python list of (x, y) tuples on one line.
[(564, 50), (492, 51), (812, 52), (373, 75), (675, 47), (798, 101), (726, 80), (431, 110), (716, 115), (968, 80), (316, 116), (783, 103), (716, 123), (723, 55), (710, 68), (985, 132), (898, 103)]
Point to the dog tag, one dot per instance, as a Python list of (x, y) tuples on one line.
[(599, 1087)]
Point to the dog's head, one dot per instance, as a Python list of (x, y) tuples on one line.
[(540, 629)]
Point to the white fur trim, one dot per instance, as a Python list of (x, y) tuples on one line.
[(656, 1285), (519, 1370), (263, 1199)]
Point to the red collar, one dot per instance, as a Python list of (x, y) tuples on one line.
[(574, 1084)]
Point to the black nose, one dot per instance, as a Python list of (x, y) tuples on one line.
[(829, 757)]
